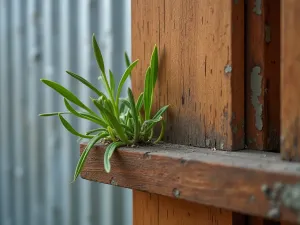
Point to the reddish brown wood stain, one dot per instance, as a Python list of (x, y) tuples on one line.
[(263, 75), (201, 71), (290, 80), (153, 209)]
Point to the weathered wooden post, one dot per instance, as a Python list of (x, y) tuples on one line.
[(219, 69)]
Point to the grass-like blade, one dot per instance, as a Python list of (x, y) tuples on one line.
[(94, 119), (154, 66), (160, 112), (100, 61), (114, 123), (85, 82), (123, 104), (98, 55), (85, 153), (140, 102), (124, 78), (147, 94), (112, 83), (149, 124), (95, 130), (108, 153), (134, 113), (127, 60), (128, 128), (86, 116), (68, 126), (109, 106), (54, 113), (112, 134), (162, 131), (65, 93)]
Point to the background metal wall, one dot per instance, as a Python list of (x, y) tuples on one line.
[(43, 38)]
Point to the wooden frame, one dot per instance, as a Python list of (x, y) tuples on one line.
[(238, 181), (203, 48)]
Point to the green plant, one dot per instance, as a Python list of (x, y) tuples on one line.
[(122, 121)]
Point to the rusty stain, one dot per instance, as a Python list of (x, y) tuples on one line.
[(228, 69), (257, 7), (256, 81), (267, 34), (176, 193)]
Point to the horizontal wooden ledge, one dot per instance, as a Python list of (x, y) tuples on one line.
[(250, 182)]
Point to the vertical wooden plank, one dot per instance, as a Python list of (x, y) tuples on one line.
[(201, 48), (152, 209), (290, 80), (145, 208), (272, 68), (263, 74), (179, 212)]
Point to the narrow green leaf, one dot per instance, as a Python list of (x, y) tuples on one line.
[(112, 82), (124, 78), (128, 128), (140, 102), (95, 130), (114, 123), (65, 93), (109, 106), (130, 124), (134, 113), (154, 66), (149, 124), (98, 55), (123, 104), (86, 116), (100, 62), (94, 119), (147, 94), (68, 126), (160, 111), (84, 81), (108, 153), (127, 60), (54, 113), (98, 104), (85, 153), (111, 134), (162, 131)]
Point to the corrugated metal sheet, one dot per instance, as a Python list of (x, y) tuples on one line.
[(43, 38)]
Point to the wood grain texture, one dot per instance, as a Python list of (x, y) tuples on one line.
[(145, 208), (229, 180), (252, 220), (201, 67), (263, 74), (290, 80), (169, 211)]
